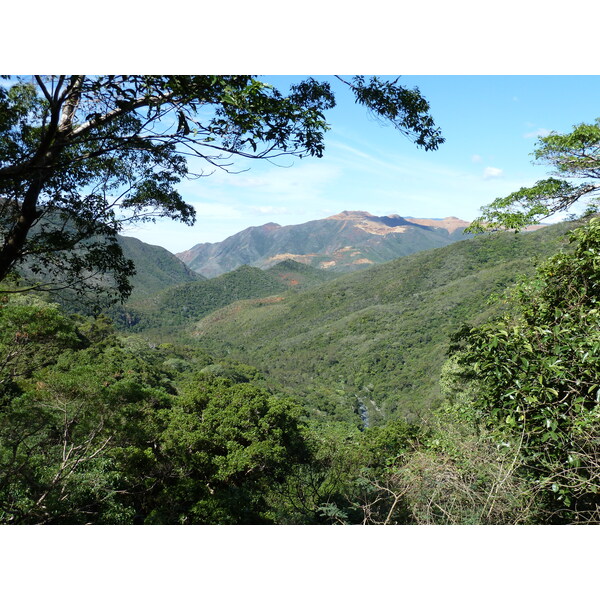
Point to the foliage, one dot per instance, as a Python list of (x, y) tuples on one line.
[(442, 472), (537, 372), (93, 430), (575, 155), (333, 485), (82, 155), (61, 419), (378, 337), (452, 474), (225, 444), (32, 335)]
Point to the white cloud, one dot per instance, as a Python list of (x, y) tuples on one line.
[(492, 172), (476, 158), (270, 210), (301, 182), (537, 133), (216, 211)]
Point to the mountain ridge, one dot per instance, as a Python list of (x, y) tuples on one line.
[(156, 267), (347, 241)]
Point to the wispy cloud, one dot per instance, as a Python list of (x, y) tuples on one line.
[(304, 179), (476, 158), (246, 182), (391, 165), (537, 133), (492, 172), (216, 210), (270, 210)]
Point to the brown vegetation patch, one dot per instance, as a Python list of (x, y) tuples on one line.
[(450, 224)]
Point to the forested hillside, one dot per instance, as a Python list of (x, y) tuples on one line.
[(378, 338), (456, 384), (165, 314), (156, 268)]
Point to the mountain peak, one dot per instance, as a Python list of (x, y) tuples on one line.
[(351, 214), (269, 226), (350, 240)]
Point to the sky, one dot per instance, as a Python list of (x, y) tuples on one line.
[(490, 123), (495, 80)]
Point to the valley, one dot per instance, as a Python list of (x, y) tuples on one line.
[(376, 338), (316, 377)]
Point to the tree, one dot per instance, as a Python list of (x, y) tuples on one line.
[(536, 369), (222, 447), (74, 406), (574, 155), (536, 372), (32, 334), (80, 156)]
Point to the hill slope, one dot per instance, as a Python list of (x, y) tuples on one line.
[(374, 341), (345, 242), (299, 276), (169, 310), (156, 268)]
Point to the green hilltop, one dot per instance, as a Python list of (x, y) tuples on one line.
[(165, 313)]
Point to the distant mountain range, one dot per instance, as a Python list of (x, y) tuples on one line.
[(348, 241), (364, 343)]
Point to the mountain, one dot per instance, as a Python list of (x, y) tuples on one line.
[(373, 342), (348, 241), (156, 268)]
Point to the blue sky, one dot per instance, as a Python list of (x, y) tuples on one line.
[(490, 123)]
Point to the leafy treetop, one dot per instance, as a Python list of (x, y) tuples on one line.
[(82, 155), (536, 372), (574, 155)]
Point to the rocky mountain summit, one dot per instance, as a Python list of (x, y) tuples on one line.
[(348, 241)]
